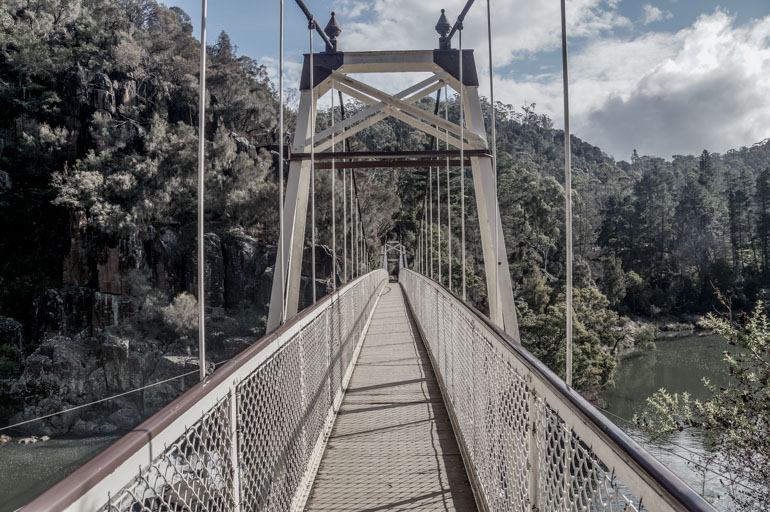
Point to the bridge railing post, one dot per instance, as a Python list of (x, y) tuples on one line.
[(234, 449), (532, 462)]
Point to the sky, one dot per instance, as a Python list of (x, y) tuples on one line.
[(665, 77)]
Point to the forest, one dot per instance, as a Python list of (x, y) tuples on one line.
[(98, 127)]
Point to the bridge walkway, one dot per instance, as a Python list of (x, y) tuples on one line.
[(392, 446)]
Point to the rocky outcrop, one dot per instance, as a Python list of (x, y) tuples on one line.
[(64, 372), (103, 94), (127, 93), (66, 311), (11, 334), (93, 343)]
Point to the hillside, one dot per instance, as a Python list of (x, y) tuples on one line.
[(97, 204)]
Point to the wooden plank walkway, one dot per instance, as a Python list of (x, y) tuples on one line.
[(392, 446)]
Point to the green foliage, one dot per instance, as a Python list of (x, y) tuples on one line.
[(737, 416), (613, 280), (181, 316), (595, 333)]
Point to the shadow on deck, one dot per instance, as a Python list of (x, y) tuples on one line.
[(392, 446)]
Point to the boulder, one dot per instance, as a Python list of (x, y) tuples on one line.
[(59, 366), (103, 94), (126, 418), (231, 347)]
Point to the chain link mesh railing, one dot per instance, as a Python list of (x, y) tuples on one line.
[(249, 437), (529, 441)]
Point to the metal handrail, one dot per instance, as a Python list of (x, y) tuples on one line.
[(648, 480), (91, 486)]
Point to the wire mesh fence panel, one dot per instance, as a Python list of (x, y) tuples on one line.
[(193, 473), (271, 418), (316, 368), (284, 405), (522, 454), (249, 436)]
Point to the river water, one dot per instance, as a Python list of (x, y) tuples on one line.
[(28, 470), (678, 365)]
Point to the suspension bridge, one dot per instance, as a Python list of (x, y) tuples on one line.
[(391, 392)]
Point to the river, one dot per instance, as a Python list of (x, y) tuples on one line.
[(28, 470), (678, 365)]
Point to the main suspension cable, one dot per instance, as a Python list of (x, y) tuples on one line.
[(105, 399)]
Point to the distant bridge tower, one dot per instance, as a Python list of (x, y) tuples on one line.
[(333, 68)]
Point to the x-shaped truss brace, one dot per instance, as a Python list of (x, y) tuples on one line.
[(400, 106)]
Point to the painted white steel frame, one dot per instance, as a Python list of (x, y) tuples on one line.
[(393, 245), (287, 270)]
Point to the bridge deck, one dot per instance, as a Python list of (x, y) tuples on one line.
[(392, 446)]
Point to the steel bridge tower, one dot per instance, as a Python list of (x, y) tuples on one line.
[(333, 69)]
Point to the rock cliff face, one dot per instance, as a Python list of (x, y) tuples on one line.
[(110, 328)]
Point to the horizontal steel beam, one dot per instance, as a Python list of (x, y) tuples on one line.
[(389, 164), (452, 153)]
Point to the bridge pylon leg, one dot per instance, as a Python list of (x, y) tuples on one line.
[(502, 311), (289, 251)]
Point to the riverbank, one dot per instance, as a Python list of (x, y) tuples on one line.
[(640, 332), (679, 365)]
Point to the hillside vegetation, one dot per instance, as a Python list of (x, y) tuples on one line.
[(97, 204)]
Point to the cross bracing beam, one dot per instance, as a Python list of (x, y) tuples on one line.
[(410, 95), (392, 111), (418, 113), (384, 112)]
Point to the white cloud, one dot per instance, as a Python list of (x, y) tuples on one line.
[(519, 27), (704, 87), (653, 14)]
